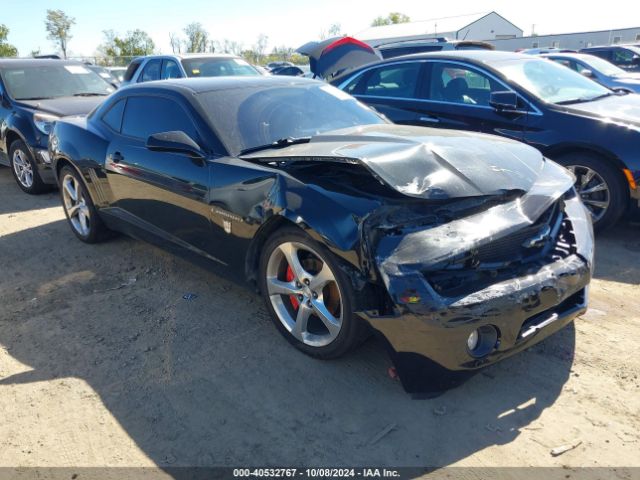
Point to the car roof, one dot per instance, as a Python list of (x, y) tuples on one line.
[(477, 56), (32, 62), (578, 56), (208, 84), (181, 56)]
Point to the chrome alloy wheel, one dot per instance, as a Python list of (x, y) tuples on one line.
[(304, 294), (23, 168), (76, 205), (593, 190)]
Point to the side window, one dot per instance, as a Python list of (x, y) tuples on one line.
[(353, 87), (579, 67), (113, 117), (566, 63), (622, 56), (151, 71), (398, 80), (144, 116), (170, 69), (454, 83)]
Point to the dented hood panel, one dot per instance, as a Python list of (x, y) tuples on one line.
[(424, 162)]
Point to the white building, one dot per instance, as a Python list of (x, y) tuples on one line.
[(481, 26), (573, 41)]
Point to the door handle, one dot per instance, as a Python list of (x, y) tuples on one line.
[(116, 157), (429, 119)]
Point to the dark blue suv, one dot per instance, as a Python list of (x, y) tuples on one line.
[(626, 57), (588, 128), (34, 93)]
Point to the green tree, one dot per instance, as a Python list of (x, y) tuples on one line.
[(197, 38), (134, 44), (6, 49), (391, 19), (58, 25)]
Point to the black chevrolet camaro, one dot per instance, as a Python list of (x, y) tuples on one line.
[(457, 248)]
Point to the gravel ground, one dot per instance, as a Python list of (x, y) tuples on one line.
[(103, 363)]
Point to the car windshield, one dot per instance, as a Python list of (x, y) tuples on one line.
[(600, 65), (550, 81), (217, 67), (247, 117), (53, 81)]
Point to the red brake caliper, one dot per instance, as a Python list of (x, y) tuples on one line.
[(294, 300)]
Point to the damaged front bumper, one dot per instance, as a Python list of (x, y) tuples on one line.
[(520, 270)]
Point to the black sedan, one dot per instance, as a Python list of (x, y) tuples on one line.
[(34, 93), (459, 249), (571, 119)]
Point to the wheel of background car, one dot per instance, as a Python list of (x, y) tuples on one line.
[(600, 186), (308, 296), (24, 168), (79, 209)]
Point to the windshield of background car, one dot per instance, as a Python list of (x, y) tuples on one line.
[(217, 67), (606, 68), (252, 116), (550, 81), (52, 81)]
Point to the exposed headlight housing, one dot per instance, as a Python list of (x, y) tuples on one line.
[(44, 122)]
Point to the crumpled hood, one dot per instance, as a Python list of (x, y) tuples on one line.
[(424, 162), (624, 109), (64, 106)]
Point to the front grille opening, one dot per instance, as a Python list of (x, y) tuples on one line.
[(517, 255), (574, 301)]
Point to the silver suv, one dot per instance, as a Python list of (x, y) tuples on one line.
[(163, 67)]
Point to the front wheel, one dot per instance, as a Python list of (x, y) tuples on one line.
[(24, 168), (600, 186), (308, 296)]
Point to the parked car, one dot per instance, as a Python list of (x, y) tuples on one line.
[(274, 65), (599, 70), (117, 72), (543, 50), (459, 249), (163, 67), (408, 47), (626, 57), (105, 74), (586, 127), (34, 94), (288, 71)]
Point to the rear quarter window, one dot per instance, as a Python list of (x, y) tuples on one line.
[(113, 117)]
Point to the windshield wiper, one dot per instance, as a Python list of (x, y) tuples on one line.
[(34, 98), (280, 143), (585, 99), (90, 94)]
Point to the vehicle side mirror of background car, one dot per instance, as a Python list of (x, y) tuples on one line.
[(504, 100), (175, 141), (587, 73)]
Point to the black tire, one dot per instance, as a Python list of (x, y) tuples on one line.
[(96, 231), (612, 177), (35, 185), (352, 331)]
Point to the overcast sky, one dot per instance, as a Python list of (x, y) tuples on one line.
[(286, 22)]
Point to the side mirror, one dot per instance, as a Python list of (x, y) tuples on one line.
[(175, 141), (504, 100), (586, 73)]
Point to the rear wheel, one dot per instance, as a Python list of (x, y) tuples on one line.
[(79, 209), (308, 295), (24, 168), (600, 186)]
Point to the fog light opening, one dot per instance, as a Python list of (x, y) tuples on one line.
[(482, 341)]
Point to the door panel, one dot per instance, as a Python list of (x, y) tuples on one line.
[(169, 191), (457, 96)]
